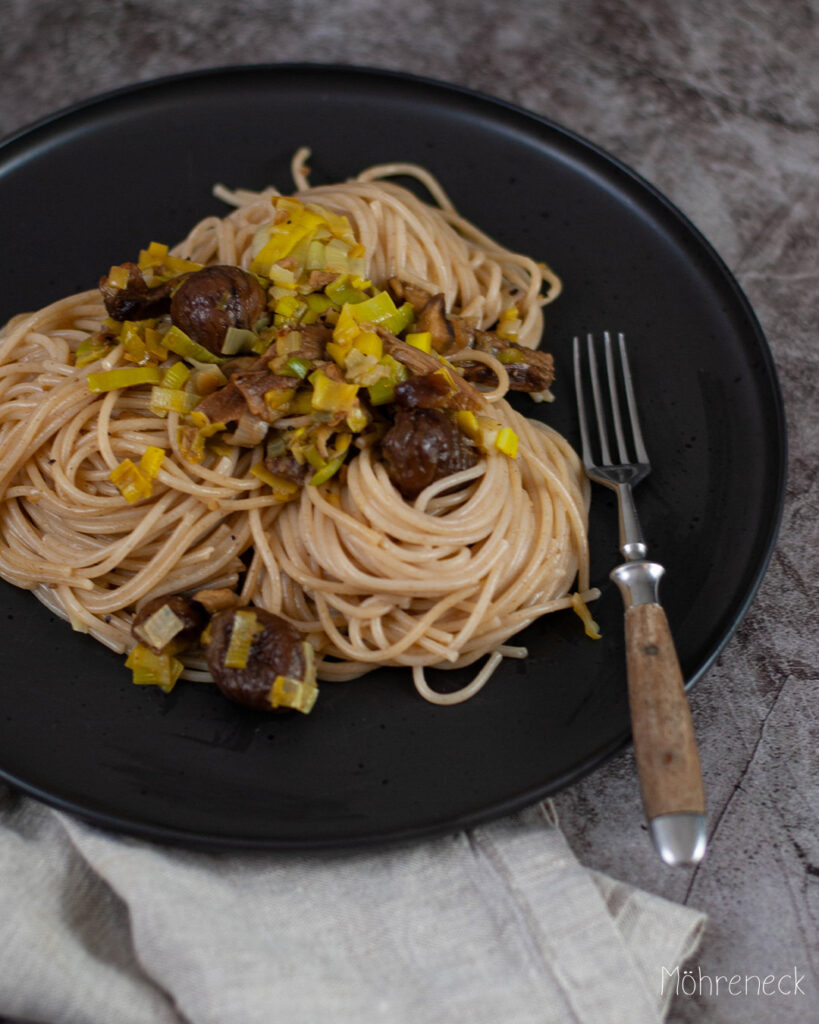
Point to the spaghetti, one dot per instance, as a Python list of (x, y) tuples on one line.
[(369, 576)]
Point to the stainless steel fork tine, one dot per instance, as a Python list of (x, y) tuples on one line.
[(598, 404), (615, 400), (588, 458), (639, 447)]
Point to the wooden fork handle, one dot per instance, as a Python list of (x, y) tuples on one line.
[(664, 742), (663, 732)]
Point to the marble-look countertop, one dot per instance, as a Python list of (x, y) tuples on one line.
[(718, 106)]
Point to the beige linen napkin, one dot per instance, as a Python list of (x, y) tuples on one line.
[(496, 924)]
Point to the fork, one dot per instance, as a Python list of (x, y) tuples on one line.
[(663, 733)]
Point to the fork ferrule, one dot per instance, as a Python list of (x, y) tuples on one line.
[(639, 582)]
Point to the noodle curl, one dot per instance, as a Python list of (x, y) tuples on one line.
[(370, 577)]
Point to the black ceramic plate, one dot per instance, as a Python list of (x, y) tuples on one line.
[(373, 762)]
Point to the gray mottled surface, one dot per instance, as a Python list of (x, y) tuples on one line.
[(718, 105)]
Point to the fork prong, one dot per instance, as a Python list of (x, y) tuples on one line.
[(639, 447), (615, 399), (598, 404), (581, 405)]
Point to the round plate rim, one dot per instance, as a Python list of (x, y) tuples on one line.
[(27, 136)]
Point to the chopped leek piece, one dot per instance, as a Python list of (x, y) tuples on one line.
[(176, 375), (284, 237), (330, 395), (149, 669), (329, 469), (159, 629), (151, 461), (443, 372), (204, 425), (580, 608), (362, 369), (153, 256), (422, 340), (124, 377), (297, 366), (383, 390), (277, 397), (287, 344), (246, 627), (298, 694), (289, 306), (338, 224), (510, 355), (343, 442), (375, 310), (136, 482), (290, 204), (488, 433), (283, 277), (165, 400), (153, 343), (314, 457), (402, 319), (507, 442), (380, 309), (177, 266), (342, 291), (369, 344), (130, 482), (183, 345), (468, 422), (289, 310), (90, 350), (207, 378), (315, 256), (238, 339), (508, 324), (318, 303), (191, 439), (357, 419), (339, 351), (302, 403), (282, 488), (336, 256), (135, 348), (346, 329), (118, 277)]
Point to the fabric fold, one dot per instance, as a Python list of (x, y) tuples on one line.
[(497, 923), (65, 935)]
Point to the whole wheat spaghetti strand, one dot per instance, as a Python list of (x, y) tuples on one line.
[(371, 578)]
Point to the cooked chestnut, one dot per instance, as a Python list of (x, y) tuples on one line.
[(422, 446), (210, 301), (265, 648)]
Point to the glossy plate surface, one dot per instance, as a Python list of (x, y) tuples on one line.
[(373, 762)]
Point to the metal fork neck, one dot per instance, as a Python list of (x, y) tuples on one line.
[(631, 536)]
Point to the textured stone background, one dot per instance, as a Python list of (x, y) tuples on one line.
[(718, 105)]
